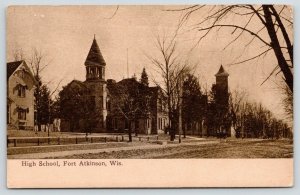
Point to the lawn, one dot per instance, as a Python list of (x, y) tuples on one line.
[(28, 133), (230, 149)]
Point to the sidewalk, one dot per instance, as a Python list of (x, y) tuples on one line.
[(61, 154)]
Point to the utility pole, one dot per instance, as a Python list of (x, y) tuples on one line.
[(49, 116), (180, 108), (127, 65)]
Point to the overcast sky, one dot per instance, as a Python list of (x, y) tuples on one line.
[(65, 34)]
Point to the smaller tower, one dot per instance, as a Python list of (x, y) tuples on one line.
[(222, 103), (222, 87)]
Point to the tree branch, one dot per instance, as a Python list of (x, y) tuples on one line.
[(234, 26), (252, 58)]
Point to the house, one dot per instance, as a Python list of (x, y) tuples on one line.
[(20, 96)]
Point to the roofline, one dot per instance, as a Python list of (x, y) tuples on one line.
[(23, 62)]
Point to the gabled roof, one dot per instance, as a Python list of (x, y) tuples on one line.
[(129, 81), (94, 56), (77, 82), (222, 72), (12, 67), (157, 90)]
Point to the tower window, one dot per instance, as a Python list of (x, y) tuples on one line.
[(100, 72)]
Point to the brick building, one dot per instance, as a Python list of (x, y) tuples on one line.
[(151, 122), (95, 84), (150, 113)]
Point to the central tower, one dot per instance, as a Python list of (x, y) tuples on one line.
[(95, 81)]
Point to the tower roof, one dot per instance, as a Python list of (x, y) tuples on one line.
[(222, 72), (94, 56)]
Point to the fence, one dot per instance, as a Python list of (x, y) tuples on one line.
[(42, 141)]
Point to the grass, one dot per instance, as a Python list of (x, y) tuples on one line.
[(28, 133), (13, 151), (230, 149)]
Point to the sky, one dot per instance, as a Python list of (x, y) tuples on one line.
[(65, 33)]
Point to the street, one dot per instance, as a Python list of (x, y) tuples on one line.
[(202, 148)]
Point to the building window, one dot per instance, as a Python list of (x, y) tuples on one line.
[(148, 123), (8, 114), (21, 74), (101, 122), (137, 124), (97, 72), (108, 104), (21, 90), (92, 88), (115, 123), (100, 72), (160, 105), (158, 127), (22, 114), (93, 100), (101, 102)]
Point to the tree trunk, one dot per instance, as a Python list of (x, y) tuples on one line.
[(284, 33), (200, 127), (129, 130), (277, 48), (39, 126)]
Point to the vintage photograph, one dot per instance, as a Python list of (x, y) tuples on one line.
[(149, 82)]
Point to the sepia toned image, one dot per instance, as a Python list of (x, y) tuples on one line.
[(95, 86)]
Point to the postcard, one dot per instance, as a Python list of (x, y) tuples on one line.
[(149, 96)]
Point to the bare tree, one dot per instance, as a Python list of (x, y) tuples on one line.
[(275, 23), (252, 119), (237, 99), (288, 101), (37, 62), (171, 67), (129, 99), (18, 54)]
